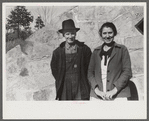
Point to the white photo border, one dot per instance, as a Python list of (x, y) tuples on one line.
[(74, 109)]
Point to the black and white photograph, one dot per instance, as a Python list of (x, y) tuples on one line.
[(64, 60)]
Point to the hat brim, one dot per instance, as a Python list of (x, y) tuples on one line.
[(68, 30)]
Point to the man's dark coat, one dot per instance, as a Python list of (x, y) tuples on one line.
[(58, 64)]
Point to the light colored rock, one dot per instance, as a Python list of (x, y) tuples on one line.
[(137, 60), (46, 93), (124, 28), (26, 72), (137, 12), (20, 88), (86, 12), (13, 53), (134, 42), (14, 62), (108, 13)]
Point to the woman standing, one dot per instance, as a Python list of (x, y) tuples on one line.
[(110, 67), (69, 65)]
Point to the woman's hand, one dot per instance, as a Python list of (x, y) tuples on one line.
[(100, 93), (110, 94)]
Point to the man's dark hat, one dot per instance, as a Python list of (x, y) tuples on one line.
[(68, 25)]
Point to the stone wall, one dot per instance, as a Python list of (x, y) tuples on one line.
[(28, 73)]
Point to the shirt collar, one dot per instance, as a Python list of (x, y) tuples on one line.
[(115, 45), (67, 46)]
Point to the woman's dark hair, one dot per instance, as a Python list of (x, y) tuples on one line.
[(108, 24)]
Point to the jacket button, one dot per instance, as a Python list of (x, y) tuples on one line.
[(108, 90), (107, 80), (75, 66), (108, 70)]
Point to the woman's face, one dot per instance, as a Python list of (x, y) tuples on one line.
[(70, 37), (107, 34)]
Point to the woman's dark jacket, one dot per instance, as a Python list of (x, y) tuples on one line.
[(118, 71), (58, 64)]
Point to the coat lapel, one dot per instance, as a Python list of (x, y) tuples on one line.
[(113, 53), (79, 51)]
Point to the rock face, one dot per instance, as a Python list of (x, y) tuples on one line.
[(28, 69), (28, 73)]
